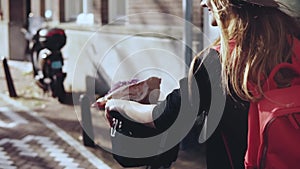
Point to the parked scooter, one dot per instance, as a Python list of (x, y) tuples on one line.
[(47, 61)]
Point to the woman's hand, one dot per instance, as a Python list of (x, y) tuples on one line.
[(141, 113), (116, 105)]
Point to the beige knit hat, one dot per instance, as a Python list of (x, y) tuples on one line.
[(270, 3), (291, 7)]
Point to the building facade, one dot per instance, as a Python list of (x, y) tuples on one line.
[(115, 39)]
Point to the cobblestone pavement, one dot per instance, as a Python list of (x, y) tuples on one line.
[(36, 131), (31, 141)]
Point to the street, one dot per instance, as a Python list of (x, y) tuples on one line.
[(36, 131)]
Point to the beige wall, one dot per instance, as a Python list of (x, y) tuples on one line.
[(4, 39), (172, 7), (5, 9)]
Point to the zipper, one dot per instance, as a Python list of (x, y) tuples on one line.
[(265, 143), (117, 125), (293, 122)]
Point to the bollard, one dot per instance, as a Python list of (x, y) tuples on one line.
[(9, 81), (86, 120)]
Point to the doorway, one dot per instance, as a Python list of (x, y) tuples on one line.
[(18, 12)]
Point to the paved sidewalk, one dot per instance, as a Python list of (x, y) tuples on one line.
[(31, 141), (36, 131)]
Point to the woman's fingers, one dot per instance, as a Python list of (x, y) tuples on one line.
[(116, 105), (113, 105)]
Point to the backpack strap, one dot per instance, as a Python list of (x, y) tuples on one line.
[(270, 83), (295, 66)]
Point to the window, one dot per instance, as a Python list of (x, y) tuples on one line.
[(72, 9), (80, 11), (117, 11)]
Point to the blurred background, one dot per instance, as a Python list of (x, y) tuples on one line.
[(105, 37)]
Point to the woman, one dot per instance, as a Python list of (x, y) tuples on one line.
[(255, 36), (251, 45)]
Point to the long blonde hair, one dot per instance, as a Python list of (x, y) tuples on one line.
[(262, 38)]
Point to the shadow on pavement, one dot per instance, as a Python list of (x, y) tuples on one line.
[(72, 98)]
